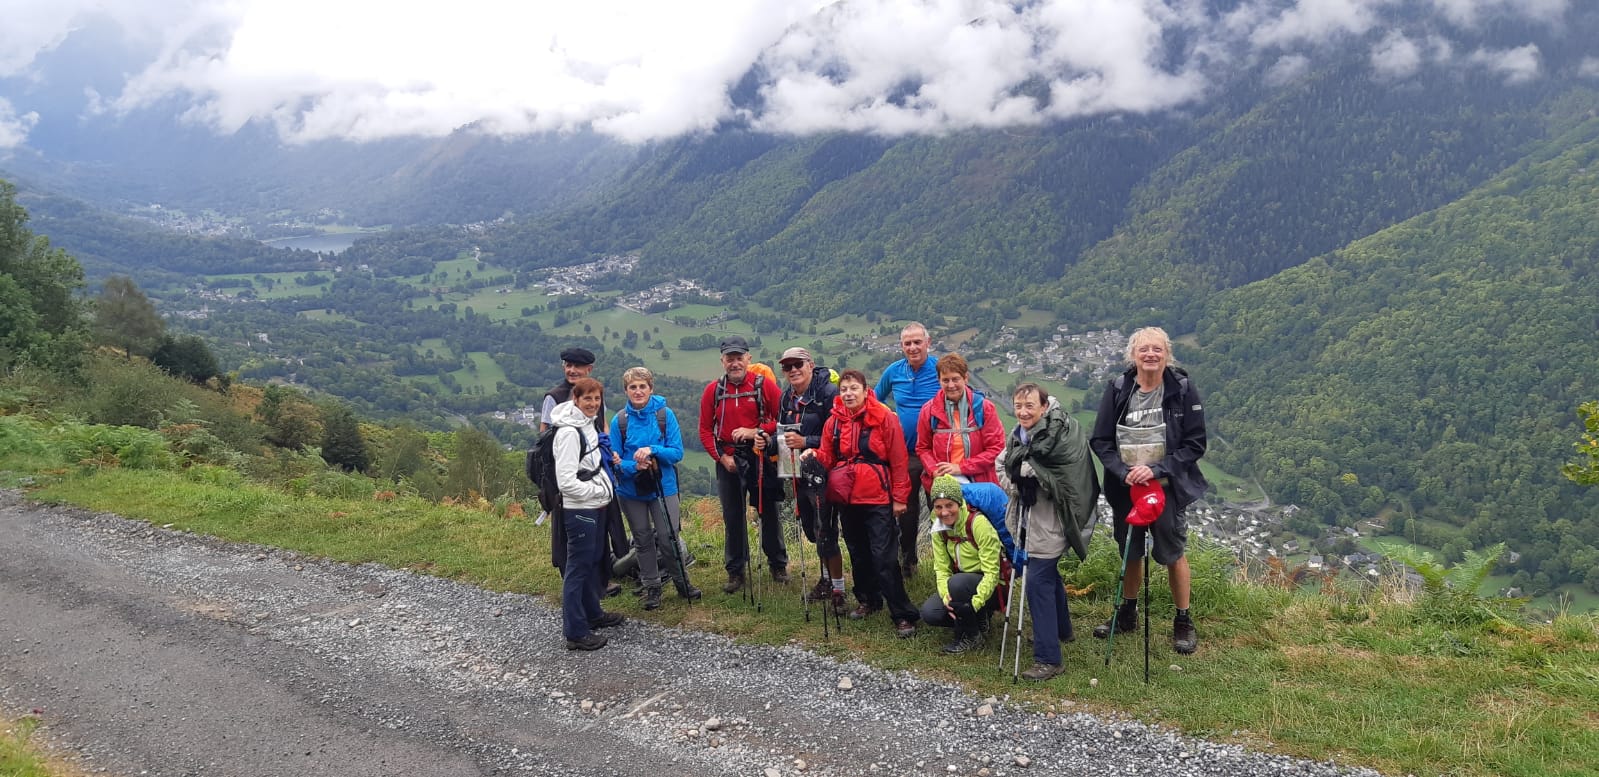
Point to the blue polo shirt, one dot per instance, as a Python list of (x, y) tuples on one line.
[(909, 389)]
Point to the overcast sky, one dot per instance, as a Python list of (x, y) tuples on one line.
[(640, 70)]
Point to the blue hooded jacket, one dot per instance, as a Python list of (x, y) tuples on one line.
[(644, 432)]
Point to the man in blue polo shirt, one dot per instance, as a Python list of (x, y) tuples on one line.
[(908, 384)]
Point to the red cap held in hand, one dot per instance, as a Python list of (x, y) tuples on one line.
[(1149, 501)]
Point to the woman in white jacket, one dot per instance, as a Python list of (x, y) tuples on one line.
[(586, 489)]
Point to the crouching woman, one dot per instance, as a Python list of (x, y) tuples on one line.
[(966, 565), (586, 491)]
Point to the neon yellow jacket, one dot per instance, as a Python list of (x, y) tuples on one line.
[(968, 546)]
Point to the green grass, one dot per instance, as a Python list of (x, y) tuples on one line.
[(322, 314), (1367, 681), (284, 288), (17, 757), (488, 372), (437, 345)]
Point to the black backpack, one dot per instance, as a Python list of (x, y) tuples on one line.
[(541, 467)]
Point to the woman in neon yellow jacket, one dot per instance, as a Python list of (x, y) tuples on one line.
[(967, 564)]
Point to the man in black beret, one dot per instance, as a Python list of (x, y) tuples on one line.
[(577, 363)]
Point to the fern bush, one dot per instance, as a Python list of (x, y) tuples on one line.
[(338, 485), (22, 435), (99, 444)]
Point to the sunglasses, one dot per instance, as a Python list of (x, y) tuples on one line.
[(792, 367)]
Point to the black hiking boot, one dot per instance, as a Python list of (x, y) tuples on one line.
[(607, 621), (735, 583), (1126, 619), (689, 592), (1184, 639), (652, 597), (590, 642)]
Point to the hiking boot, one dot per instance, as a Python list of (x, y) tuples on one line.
[(607, 621), (590, 642), (1126, 620), (840, 608), (1184, 639), (1039, 672), (612, 589), (652, 597), (970, 642), (780, 573), (862, 612), (638, 590), (735, 583), (689, 592), (904, 628), (821, 592)]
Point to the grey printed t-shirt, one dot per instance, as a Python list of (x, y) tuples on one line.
[(1141, 435)]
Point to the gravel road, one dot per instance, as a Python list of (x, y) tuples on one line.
[(155, 652)]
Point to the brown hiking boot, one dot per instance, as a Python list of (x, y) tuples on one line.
[(821, 592), (779, 575), (1184, 639), (1040, 672), (735, 583), (862, 612), (840, 607)]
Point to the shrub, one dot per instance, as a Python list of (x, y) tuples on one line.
[(212, 475), (127, 446), (133, 394), (22, 435), (197, 445)]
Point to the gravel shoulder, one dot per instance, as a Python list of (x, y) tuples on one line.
[(154, 652)]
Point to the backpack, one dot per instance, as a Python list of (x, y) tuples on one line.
[(1002, 591), (721, 394), (541, 467)]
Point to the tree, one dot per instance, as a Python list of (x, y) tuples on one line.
[(186, 357), (41, 321), (342, 443), (125, 318), (291, 421), (479, 467), (1585, 470)]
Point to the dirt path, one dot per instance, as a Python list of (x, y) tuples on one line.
[(158, 653)]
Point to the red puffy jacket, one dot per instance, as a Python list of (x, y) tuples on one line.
[(886, 439)]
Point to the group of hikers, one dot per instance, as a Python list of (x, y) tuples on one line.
[(1003, 507)]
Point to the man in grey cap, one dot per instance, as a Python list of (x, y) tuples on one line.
[(806, 404), (738, 416)]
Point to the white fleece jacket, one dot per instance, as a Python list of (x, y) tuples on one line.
[(575, 433)]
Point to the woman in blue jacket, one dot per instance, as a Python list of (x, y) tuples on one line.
[(649, 445)]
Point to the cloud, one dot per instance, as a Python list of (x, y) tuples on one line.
[(1470, 13), (1589, 67), (1397, 56), (14, 127), (1518, 65), (641, 70)]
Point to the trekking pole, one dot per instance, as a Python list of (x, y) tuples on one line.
[(1121, 577), (799, 542), (760, 517), (1010, 596), (749, 557), (1010, 602), (1021, 608), (671, 530), (838, 622), (1148, 541)]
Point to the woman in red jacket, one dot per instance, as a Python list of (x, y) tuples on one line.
[(863, 449), (958, 433)]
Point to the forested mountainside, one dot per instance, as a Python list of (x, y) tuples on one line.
[(1432, 368)]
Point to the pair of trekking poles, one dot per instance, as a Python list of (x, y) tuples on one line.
[(1021, 611)]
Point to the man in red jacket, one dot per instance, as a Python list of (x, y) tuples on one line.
[(738, 415)]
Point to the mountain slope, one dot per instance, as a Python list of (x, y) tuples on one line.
[(1435, 365)]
